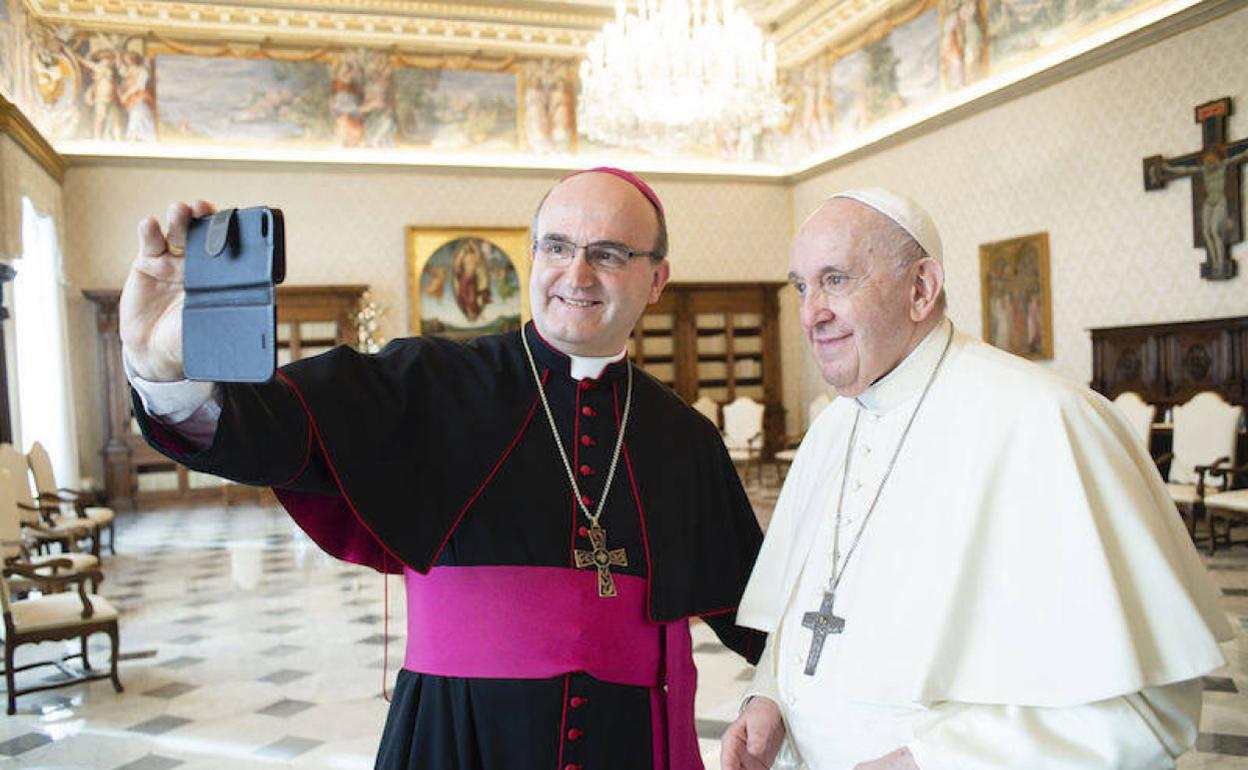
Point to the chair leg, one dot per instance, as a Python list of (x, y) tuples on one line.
[(112, 538), (113, 639), (86, 661), (8, 678)]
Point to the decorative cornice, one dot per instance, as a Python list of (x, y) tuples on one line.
[(15, 125), (827, 25), (799, 28), (374, 23)]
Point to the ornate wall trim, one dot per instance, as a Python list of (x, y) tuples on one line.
[(16, 126)]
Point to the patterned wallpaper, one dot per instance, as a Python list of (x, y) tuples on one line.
[(347, 226), (1068, 160)]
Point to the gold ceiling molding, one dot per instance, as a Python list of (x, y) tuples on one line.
[(15, 125), (831, 24), (801, 29), (878, 29), (325, 25)]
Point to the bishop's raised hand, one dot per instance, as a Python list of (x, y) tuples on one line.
[(150, 312)]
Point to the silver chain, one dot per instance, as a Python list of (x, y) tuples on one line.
[(835, 579), (554, 429)]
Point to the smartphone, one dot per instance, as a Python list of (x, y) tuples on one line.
[(234, 261)]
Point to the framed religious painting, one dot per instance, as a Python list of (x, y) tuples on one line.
[(1016, 295), (465, 282)]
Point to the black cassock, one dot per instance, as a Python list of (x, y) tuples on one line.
[(434, 453)]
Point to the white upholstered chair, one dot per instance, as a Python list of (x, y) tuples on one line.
[(15, 550), (1205, 431), (1230, 505), (54, 617), (743, 434), (40, 526), (708, 408), (75, 502), (1139, 414), (785, 457)]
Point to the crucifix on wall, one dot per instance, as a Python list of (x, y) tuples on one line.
[(1217, 218)]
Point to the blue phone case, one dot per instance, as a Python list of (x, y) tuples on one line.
[(234, 260)]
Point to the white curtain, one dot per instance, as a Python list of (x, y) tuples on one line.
[(44, 397)]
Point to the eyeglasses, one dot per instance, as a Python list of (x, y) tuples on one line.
[(831, 284), (601, 255)]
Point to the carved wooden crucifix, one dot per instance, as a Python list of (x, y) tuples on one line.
[(1217, 216)]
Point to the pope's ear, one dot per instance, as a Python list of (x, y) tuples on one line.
[(929, 283)]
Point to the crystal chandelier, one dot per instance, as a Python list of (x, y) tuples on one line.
[(678, 72)]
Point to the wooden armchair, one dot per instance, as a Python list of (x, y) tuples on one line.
[(81, 503), (1139, 414), (1224, 503), (743, 434), (708, 408), (784, 458), (15, 547), (55, 617), (1205, 431), (42, 523)]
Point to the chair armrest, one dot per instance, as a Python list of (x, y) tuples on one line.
[(59, 581), (1231, 470), (791, 440), (1211, 469), (46, 533), (33, 571)]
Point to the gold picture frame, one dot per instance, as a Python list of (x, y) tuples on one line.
[(464, 282), (1016, 295)]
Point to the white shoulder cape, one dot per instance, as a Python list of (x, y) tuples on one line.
[(1030, 552)]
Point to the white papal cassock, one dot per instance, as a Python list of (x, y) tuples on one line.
[(1024, 595)]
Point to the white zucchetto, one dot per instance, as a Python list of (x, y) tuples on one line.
[(908, 215)]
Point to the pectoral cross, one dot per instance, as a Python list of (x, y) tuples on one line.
[(602, 560), (823, 622)]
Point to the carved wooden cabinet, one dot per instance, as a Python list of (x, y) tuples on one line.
[(1167, 364), (310, 319), (720, 340)]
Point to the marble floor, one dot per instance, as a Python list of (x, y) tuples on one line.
[(245, 647)]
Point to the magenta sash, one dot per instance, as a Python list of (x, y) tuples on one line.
[(543, 622)]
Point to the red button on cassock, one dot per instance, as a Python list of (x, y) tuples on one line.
[(588, 411), (583, 532), (585, 470), (577, 701), (571, 767), (587, 441), (587, 500), (574, 733)]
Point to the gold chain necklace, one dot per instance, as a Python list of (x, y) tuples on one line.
[(599, 557)]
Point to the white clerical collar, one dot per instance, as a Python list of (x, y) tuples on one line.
[(590, 368), (907, 378)]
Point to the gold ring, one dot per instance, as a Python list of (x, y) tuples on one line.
[(177, 251)]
